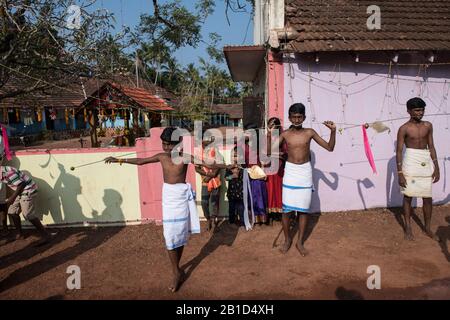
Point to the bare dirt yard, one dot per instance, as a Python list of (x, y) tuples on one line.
[(230, 263)]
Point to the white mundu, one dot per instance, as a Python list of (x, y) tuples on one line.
[(180, 217), (418, 169), (297, 187)]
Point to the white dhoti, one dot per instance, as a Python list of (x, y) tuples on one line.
[(180, 217), (418, 169), (297, 187)]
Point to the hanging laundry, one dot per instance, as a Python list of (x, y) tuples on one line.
[(39, 115), (28, 118), (368, 150), (53, 114)]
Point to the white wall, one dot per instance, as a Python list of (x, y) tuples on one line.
[(269, 15), (355, 94)]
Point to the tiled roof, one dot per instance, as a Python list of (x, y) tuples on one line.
[(143, 98), (234, 111), (73, 96), (341, 25)]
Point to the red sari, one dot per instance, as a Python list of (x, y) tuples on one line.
[(274, 184)]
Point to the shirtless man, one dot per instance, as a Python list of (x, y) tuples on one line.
[(418, 169), (179, 213), (297, 180)]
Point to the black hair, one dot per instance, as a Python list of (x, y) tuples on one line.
[(297, 108), (276, 121), (167, 133), (415, 103)]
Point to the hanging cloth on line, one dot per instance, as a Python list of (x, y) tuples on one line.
[(368, 150)]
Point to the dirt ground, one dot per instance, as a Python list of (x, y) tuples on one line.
[(230, 263)]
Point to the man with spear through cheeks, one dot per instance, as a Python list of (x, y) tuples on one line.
[(179, 210), (297, 180)]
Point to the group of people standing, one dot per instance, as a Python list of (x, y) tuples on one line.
[(264, 192), (252, 193), (288, 189), (255, 195)]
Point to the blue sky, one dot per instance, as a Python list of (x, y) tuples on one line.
[(127, 12)]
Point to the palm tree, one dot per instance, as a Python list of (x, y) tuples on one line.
[(171, 73), (154, 55)]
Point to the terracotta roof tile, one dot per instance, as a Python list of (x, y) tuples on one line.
[(340, 25), (143, 98), (73, 96)]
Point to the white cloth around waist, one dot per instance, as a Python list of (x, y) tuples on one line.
[(180, 217), (297, 187), (417, 163), (418, 169)]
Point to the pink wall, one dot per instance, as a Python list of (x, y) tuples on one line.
[(70, 151), (151, 177), (275, 69), (354, 94)]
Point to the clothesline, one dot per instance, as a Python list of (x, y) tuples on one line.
[(352, 125)]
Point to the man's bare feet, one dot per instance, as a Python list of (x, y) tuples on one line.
[(286, 245), (177, 281), (301, 249), (408, 234), (432, 235)]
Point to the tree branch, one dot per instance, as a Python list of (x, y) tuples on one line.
[(15, 93), (158, 16)]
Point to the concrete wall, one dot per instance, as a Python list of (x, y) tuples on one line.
[(349, 93), (96, 193), (269, 14), (99, 193)]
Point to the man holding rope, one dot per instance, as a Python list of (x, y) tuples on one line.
[(297, 180), (180, 216)]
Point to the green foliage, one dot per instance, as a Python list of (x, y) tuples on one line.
[(172, 24), (39, 51)]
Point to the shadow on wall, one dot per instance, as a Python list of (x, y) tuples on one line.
[(318, 175), (82, 239), (394, 198), (366, 183), (61, 200), (113, 211), (443, 170)]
